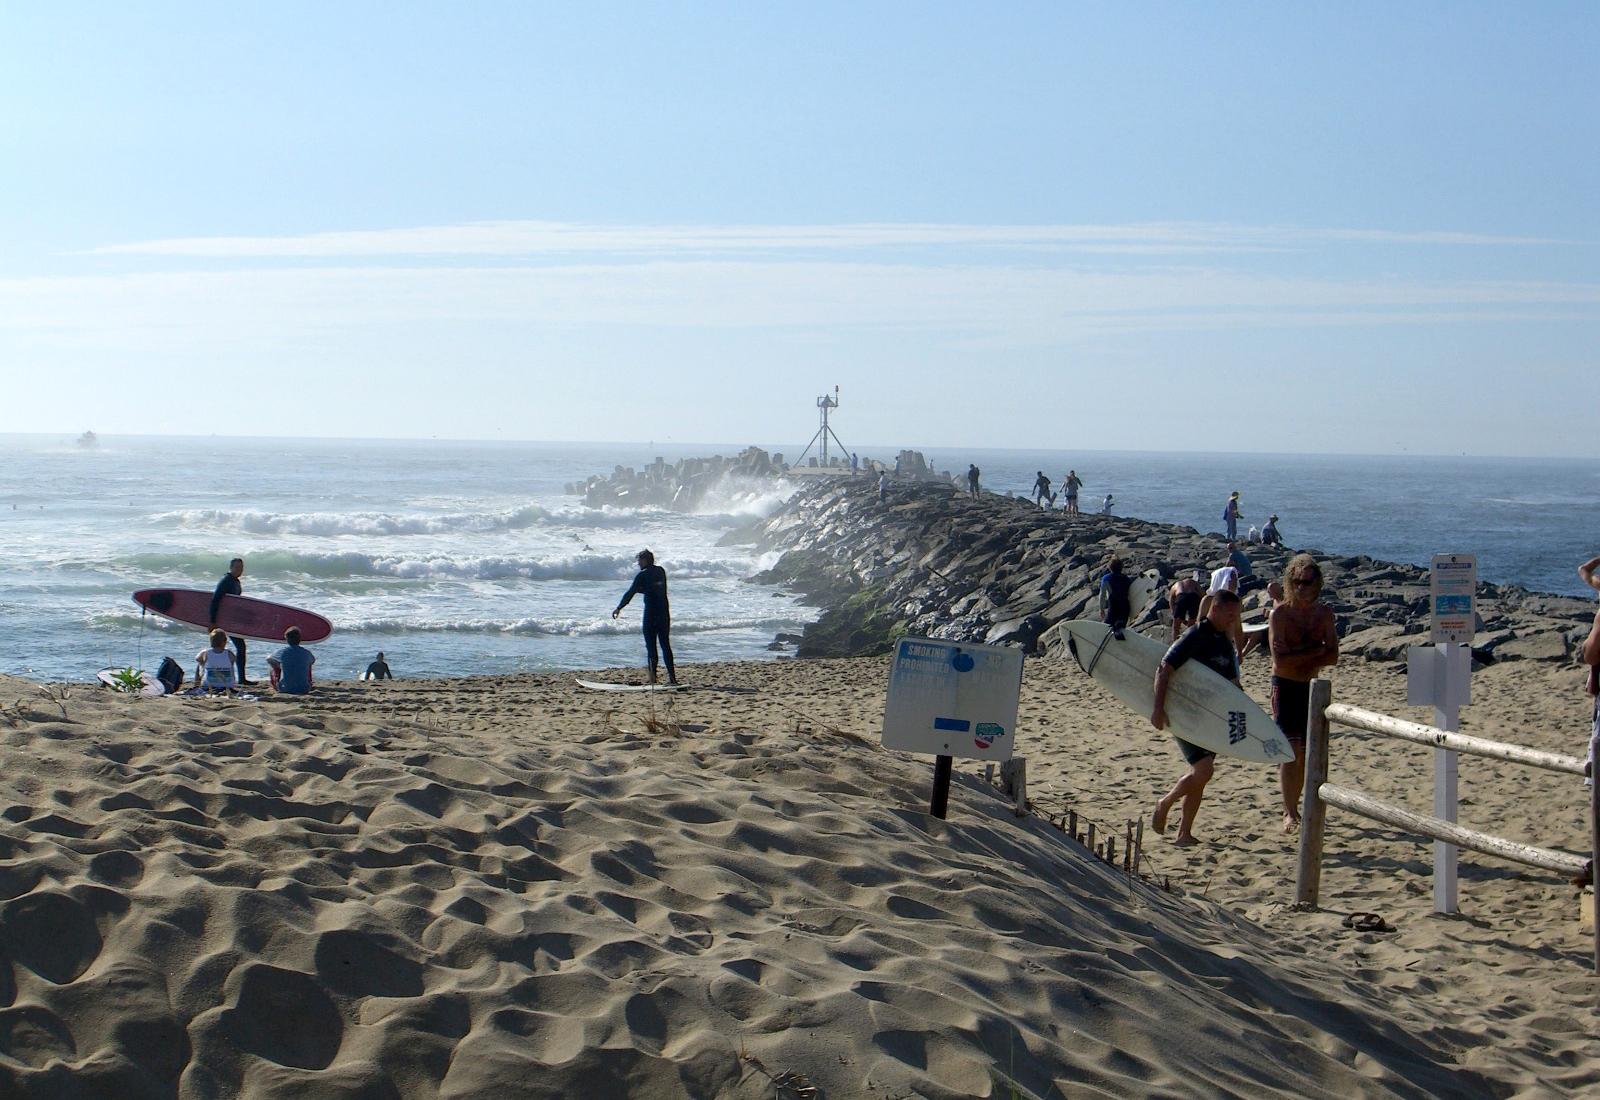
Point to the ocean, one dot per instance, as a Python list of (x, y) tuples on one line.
[(461, 558)]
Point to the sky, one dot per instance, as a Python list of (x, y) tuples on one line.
[(1320, 227)]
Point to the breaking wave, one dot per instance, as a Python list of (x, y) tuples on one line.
[(335, 565), (387, 524)]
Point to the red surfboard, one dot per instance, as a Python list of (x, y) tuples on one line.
[(259, 619)]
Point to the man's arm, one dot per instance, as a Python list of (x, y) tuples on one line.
[(1330, 638), (633, 590), (1158, 711), (1591, 644), (1587, 572)]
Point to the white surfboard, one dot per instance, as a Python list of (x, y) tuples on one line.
[(150, 685), (1142, 593), (1254, 628), (1202, 707), (596, 685)]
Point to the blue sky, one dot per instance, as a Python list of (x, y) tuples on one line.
[(1339, 227)]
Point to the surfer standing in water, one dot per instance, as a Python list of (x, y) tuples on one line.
[(1210, 641), (651, 583), (229, 586)]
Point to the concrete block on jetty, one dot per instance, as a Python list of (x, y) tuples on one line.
[(934, 562)]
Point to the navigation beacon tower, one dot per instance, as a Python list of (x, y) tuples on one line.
[(825, 404)]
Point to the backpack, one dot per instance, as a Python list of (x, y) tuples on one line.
[(170, 675)]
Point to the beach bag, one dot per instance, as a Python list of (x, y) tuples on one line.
[(170, 674)]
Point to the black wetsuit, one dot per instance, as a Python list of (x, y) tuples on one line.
[(1119, 608), (651, 583), (379, 670), (229, 586)]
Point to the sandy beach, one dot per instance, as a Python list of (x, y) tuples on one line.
[(513, 887)]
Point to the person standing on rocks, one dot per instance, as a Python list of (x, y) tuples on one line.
[(1184, 600), (651, 583), (1071, 484), (972, 479), (1041, 490), (883, 487), (1304, 640), (1210, 641), (1231, 516), (1106, 505), (1116, 607)]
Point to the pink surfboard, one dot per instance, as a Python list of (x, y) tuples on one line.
[(259, 619)]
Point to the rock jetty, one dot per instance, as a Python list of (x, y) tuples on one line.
[(934, 562), (681, 486)]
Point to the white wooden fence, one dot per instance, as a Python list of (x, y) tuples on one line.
[(1320, 794)]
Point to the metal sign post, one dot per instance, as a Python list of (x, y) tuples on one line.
[(952, 699), (1440, 676)]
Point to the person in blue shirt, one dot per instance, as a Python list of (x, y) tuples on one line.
[(291, 665), (651, 583)]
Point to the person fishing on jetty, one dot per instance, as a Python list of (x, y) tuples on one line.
[(1210, 641), (1304, 639), (651, 583), (229, 586)]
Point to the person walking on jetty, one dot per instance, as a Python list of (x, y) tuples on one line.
[(1210, 641), (972, 479), (229, 586), (883, 487), (1116, 606), (1041, 490), (1106, 505), (855, 464), (1071, 484), (651, 583), (1184, 600), (1231, 516), (1304, 640)]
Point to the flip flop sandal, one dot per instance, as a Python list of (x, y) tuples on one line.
[(1367, 922)]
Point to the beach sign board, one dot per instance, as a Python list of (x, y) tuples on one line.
[(953, 699), (1452, 595)]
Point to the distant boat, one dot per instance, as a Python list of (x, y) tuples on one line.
[(88, 439)]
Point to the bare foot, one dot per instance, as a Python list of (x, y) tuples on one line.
[(1291, 822), (1185, 842), (1158, 820)]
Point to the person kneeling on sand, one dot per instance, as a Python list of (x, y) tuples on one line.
[(291, 665), (1210, 641), (214, 666), (1304, 639)]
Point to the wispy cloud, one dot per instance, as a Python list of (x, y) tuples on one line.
[(566, 239)]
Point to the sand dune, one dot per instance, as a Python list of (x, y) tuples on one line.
[(509, 887)]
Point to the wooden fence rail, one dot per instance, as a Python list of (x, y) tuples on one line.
[(1320, 794)]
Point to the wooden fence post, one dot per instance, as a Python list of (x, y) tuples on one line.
[(1313, 811)]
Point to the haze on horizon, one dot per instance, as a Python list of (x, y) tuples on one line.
[(1351, 229)]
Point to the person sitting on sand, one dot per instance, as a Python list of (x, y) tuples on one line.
[(379, 669), (1304, 639), (291, 665), (1210, 641), (214, 666), (1184, 600)]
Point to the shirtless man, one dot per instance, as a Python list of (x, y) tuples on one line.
[(1304, 640), (1184, 599)]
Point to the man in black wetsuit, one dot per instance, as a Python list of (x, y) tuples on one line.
[(1116, 606), (651, 583), (229, 586)]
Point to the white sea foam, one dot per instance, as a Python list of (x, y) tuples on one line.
[(386, 524)]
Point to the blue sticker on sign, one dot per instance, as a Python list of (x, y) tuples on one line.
[(962, 662), (954, 725)]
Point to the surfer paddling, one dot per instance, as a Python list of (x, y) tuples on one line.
[(1303, 638), (651, 583), (229, 586), (1210, 641)]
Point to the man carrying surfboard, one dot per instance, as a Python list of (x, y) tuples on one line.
[(229, 586), (651, 583), (1304, 639), (1210, 641)]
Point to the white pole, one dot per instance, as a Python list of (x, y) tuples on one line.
[(1447, 716)]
